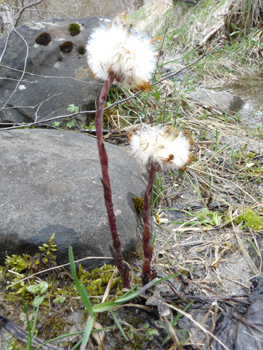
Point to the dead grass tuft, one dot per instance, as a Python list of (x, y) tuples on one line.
[(244, 15)]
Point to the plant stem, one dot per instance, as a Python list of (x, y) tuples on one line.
[(147, 244), (117, 254)]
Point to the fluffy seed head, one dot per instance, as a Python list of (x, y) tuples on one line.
[(130, 58), (166, 146)]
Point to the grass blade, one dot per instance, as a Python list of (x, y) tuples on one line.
[(81, 289), (119, 325), (87, 332)]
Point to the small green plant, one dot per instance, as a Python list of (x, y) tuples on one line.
[(207, 218), (204, 217), (39, 292), (73, 109), (106, 306), (173, 322), (68, 123)]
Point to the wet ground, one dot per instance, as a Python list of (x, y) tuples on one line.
[(250, 89)]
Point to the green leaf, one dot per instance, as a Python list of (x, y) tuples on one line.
[(73, 109), (56, 124), (41, 288), (81, 289), (38, 300), (32, 289), (71, 123), (59, 300)]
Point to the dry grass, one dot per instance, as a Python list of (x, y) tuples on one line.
[(244, 15), (215, 258), (68, 9)]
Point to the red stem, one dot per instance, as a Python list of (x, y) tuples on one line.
[(117, 255), (147, 244)]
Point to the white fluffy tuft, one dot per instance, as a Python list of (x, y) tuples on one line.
[(165, 146), (131, 58)]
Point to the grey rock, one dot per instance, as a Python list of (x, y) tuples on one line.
[(221, 101), (50, 183), (53, 79)]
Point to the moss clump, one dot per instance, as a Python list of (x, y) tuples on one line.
[(61, 293), (17, 263), (66, 47), (251, 154), (251, 219), (74, 29), (96, 281), (138, 204), (81, 50), (43, 39)]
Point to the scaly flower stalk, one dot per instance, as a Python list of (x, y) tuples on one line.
[(117, 254), (147, 244), (118, 57), (159, 148)]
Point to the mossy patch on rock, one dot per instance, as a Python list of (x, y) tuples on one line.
[(138, 204), (74, 29), (66, 47), (81, 49), (43, 39)]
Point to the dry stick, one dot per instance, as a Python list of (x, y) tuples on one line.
[(19, 14), (23, 72), (116, 249), (173, 334), (147, 245)]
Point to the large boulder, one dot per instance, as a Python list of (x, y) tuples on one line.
[(50, 183), (44, 69)]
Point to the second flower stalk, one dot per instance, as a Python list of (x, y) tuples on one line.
[(118, 57)]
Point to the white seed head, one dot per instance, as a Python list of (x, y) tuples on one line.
[(130, 58), (166, 146)]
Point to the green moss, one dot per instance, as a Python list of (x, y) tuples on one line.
[(251, 219), (66, 47), (61, 296), (251, 154), (138, 204), (74, 29), (17, 263), (96, 281)]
